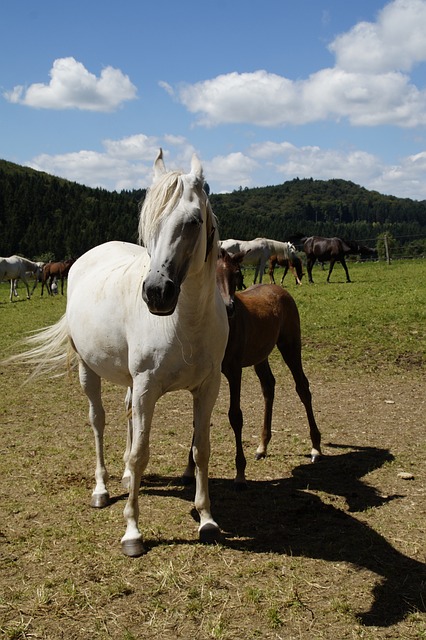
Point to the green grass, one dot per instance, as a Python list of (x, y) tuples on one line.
[(375, 323), (311, 551)]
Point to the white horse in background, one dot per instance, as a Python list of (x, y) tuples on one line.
[(256, 251), (159, 324), (18, 268)]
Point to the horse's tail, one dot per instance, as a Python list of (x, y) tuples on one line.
[(50, 351)]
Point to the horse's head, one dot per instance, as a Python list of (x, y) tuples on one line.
[(229, 277), (177, 228)]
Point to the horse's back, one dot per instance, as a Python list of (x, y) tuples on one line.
[(262, 314)]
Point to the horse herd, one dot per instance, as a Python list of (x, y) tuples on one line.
[(168, 317), (18, 268)]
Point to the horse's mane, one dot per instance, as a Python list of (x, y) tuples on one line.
[(160, 199)]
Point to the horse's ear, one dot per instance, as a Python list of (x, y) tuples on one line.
[(196, 168), (159, 166)]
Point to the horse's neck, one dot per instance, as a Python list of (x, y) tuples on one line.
[(198, 297)]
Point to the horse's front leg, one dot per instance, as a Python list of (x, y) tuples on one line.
[(267, 382), (204, 398), (143, 397), (344, 265), (294, 272), (284, 274), (125, 480), (91, 385)]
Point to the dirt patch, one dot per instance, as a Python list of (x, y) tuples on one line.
[(332, 550)]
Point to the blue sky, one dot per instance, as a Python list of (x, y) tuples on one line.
[(263, 92)]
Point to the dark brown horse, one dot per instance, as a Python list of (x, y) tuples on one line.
[(295, 266), (58, 270), (332, 250), (260, 317)]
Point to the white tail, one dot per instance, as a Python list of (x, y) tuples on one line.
[(51, 351)]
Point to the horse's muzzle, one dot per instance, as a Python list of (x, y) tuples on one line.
[(162, 298)]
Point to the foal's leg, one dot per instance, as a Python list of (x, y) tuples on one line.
[(267, 382), (91, 385), (285, 273), (291, 352), (235, 416)]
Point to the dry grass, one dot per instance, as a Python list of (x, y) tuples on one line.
[(327, 551)]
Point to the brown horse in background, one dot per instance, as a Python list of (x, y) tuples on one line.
[(332, 250), (58, 270), (295, 266), (260, 318)]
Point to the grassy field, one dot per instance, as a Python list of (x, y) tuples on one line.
[(334, 550)]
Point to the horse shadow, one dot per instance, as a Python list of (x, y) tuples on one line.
[(283, 516)]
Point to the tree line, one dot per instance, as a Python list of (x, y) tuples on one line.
[(43, 217)]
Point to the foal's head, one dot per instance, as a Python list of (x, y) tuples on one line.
[(229, 277)]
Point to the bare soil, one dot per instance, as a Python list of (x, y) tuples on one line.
[(334, 550)]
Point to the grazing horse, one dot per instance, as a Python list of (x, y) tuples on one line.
[(294, 264), (260, 317), (284, 251), (256, 253), (58, 270), (16, 268), (149, 318), (326, 250)]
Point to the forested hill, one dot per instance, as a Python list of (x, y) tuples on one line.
[(43, 217)]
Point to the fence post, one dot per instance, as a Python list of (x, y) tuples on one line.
[(385, 238)]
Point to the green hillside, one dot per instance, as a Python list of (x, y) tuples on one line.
[(41, 215)]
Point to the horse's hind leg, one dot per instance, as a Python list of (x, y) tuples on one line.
[(291, 352), (267, 382), (91, 385)]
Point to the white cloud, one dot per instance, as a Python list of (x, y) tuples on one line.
[(368, 85), (127, 164), (395, 42), (124, 164), (71, 86)]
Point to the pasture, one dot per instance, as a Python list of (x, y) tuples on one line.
[(329, 551)]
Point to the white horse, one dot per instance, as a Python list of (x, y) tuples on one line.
[(17, 268), (284, 251), (159, 324), (256, 251)]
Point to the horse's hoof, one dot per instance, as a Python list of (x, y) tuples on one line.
[(260, 455), (210, 534), (187, 480), (133, 548), (100, 500), (315, 457)]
